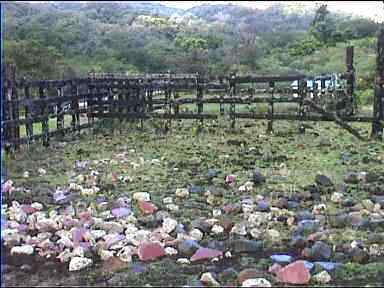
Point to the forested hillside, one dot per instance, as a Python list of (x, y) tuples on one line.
[(68, 39)]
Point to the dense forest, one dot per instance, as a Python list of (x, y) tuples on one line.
[(59, 39)]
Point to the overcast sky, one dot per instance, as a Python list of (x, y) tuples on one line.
[(371, 9)]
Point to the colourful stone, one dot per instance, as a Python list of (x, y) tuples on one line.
[(205, 253), (150, 251)]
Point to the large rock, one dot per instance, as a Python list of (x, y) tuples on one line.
[(150, 251), (319, 251), (257, 177), (25, 250), (322, 277), (256, 282), (294, 273), (208, 279), (205, 253), (79, 263), (147, 207), (188, 247), (323, 180), (142, 196), (352, 178)]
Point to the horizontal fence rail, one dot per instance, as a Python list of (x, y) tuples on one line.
[(48, 108)]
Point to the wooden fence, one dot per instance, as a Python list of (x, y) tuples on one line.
[(120, 96)]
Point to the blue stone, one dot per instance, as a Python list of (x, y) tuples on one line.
[(212, 173), (282, 258), (309, 265), (292, 205), (262, 206), (195, 189), (329, 266)]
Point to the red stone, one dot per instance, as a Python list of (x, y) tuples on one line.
[(275, 268), (294, 273), (147, 207), (150, 251), (205, 253)]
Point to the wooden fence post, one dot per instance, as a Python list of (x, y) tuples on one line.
[(44, 114), (302, 94), (75, 107), (60, 112), (350, 80), (232, 93), (378, 105), (270, 108), (28, 114), (199, 96)]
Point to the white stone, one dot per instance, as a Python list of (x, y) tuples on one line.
[(78, 251), (256, 219), (239, 229), (65, 256), (337, 197), (211, 200), (125, 254), (170, 251), (97, 234), (256, 233), (79, 263), (11, 235), (273, 235), (65, 241), (217, 229), (25, 249), (131, 229), (105, 254), (322, 277), (38, 206), (182, 192), (216, 212), (168, 200), (172, 207), (209, 279), (183, 261), (196, 234), (169, 225), (42, 171), (256, 282), (228, 254), (112, 227), (26, 174), (142, 196), (247, 208), (138, 237)]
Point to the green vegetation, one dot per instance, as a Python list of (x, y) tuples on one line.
[(63, 40)]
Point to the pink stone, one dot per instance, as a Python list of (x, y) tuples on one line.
[(121, 212), (228, 208), (275, 268), (7, 187), (78, 235), (294, 273), (150, 251), (147, 207), (230, 179), (28, 209), (205, 253)]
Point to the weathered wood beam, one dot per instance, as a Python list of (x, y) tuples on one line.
[(339, 121), (378, 103)]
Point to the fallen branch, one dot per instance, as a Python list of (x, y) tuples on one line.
[(339, 121)]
